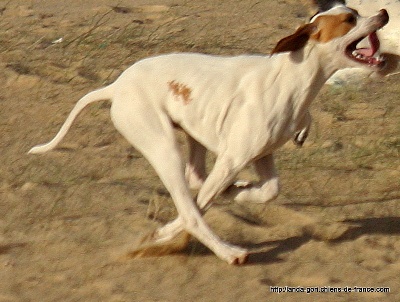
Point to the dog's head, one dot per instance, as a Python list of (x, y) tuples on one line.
[(338, 31)]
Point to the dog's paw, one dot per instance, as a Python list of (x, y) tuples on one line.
[(242, 259), (300, 137), (244, 192), (234, 256), (236, 188)]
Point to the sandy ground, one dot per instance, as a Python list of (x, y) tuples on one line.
[(68, 217)]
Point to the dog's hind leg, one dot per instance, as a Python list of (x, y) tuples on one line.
[(153, 136), (221, 176), (189, 215)]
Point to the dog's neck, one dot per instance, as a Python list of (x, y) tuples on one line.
[(309, 68)]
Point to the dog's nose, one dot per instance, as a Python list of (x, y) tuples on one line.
[(384, 16)]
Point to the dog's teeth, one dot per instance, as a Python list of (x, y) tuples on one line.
[(378, 55), (354, 53)]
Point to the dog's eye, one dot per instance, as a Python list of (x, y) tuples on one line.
[(351, 19)]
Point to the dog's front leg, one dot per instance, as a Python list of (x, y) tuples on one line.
[(189, 218), (220, 177), (268, 187)]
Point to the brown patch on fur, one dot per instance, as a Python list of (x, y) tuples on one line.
[(181, 90), (333, 26), (324, 29)]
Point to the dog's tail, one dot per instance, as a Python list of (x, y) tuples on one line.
[(104, 93)]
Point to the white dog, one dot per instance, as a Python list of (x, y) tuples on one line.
[(241, 108)]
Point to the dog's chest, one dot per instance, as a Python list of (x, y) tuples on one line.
[(279, 129)]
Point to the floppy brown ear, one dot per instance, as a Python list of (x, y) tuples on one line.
[(297, 40)]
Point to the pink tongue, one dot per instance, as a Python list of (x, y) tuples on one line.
[(374, 41), (366, 52)]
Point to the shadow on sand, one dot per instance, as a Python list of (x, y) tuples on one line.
[(365, 226)]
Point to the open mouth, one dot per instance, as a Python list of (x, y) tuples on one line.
[(368, 55)]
